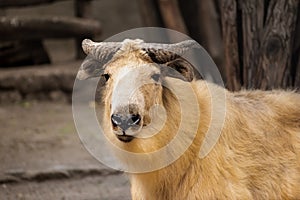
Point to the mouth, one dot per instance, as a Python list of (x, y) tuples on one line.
[(125, 138)]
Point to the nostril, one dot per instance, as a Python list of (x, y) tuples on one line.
[(125, 121), (116, 120), (135, 119)]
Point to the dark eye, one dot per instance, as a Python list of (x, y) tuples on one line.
[(155, 77), (106, 76)]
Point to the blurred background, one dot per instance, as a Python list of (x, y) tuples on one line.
[(254, 43)]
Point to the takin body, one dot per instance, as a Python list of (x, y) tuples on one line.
[(257, 155)]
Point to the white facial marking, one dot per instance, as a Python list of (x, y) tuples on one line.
[(127, 86), (126, 89), (127, 95)]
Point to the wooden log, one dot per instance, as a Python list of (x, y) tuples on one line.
[(28, 28), (21, 3), (231, 47), (19, 53), (274, 62), (171, 15)]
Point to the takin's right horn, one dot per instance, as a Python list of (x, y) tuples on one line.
[(100, 50), (99, 53)]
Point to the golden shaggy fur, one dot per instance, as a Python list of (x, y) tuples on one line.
[(256, 157)]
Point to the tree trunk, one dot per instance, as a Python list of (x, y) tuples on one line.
[(296, 53), (252, 15), (261, 38), (171, 15), (264, 32), (150, 14), (203, 23), (83, 9), (274, 60), (231, 44), (297, 78)]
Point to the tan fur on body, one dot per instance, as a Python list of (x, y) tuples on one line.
[(256, 157)]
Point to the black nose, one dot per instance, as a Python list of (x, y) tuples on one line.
[(125, 121)]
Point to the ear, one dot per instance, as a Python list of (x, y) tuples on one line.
[(179, 68), (90, 67)]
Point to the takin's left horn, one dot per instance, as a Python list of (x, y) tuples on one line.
[(179, 48), (162, 53)]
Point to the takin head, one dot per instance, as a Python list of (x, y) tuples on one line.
[(133, 74)]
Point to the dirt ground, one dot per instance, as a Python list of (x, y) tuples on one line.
[(42, 157)]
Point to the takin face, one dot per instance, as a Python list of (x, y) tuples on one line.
[(133, 91), (132, 75)]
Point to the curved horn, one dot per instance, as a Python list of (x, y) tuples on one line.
[(99, 53), (179, 48), (162, 53), (100, 50)]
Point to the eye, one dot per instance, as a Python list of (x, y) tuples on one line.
[(155, 77), (106, 76)]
